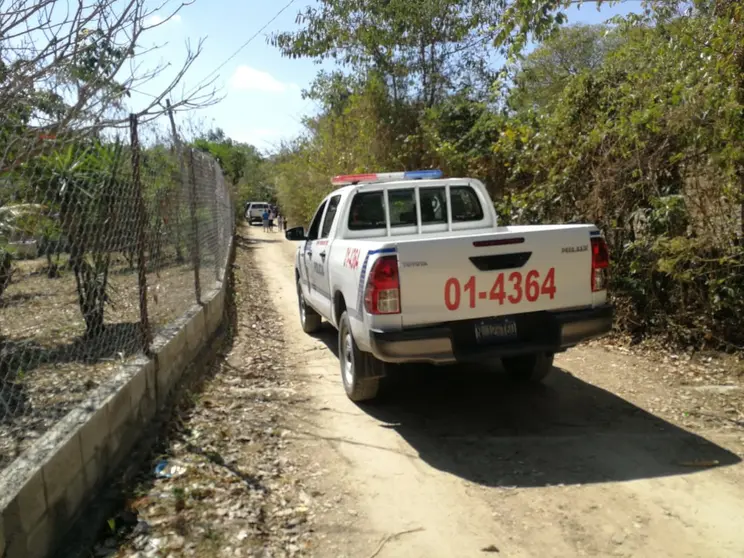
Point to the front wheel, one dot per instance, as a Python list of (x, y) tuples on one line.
[(356, 366), (309, 318), (530, 369)]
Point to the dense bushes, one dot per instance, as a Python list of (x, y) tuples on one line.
[(638, 128), (649, 146)]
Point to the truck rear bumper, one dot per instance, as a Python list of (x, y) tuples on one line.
[(550, 332)]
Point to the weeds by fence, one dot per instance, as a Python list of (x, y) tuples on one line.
[(103, 242)]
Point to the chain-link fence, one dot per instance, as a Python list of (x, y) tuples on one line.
[(104, 240)]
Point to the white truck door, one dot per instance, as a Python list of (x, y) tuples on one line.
[(321, 258), (307, 256)]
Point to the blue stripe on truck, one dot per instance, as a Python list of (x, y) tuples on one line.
[(360, 297)]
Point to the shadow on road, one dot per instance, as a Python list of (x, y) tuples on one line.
[(472, 422), (250, 241)]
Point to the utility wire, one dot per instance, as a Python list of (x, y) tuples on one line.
[(245, 44)]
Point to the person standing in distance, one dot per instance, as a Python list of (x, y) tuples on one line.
[(265, 218)]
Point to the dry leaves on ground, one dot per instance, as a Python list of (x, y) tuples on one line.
[(694, 389), (226, 484), (46, 365)]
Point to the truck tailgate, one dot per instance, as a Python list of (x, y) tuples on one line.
[(510, 270)]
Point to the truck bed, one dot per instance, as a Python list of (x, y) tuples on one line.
[(509, 270)]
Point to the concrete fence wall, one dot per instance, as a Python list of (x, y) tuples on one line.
[(43, 492)]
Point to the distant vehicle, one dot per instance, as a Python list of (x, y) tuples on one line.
[(410, 267), (254, 211)]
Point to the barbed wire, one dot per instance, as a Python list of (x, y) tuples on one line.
[(103, 243)]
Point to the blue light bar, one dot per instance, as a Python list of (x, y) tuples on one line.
[(431, 174)]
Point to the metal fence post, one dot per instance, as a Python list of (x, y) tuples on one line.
[(216, 195), (178, 146), (141, 221), (195, 257)]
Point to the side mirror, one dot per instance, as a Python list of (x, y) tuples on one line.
[(295, 234)]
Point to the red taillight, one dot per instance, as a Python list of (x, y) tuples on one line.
[(382, 295), (600, 264)]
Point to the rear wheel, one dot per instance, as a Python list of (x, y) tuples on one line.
[(309, 318), (357, 366), (529, 369)]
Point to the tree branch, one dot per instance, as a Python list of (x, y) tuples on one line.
[(88, 56)]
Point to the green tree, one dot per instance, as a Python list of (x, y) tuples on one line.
[(423, 49), (165, 197), (65, 75), (540, 18), (242, 165), (637, 127), (647, 146), (84, 183), (542, 75)]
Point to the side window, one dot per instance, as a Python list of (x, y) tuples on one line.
[(367, 211), (402, 208), (312, 231), (465, 204), (433, 205), (330, 216)]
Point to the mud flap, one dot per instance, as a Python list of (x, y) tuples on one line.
[(372, 367)]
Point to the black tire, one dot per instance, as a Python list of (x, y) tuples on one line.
[(529, 369), (309, 318), (356, 366)]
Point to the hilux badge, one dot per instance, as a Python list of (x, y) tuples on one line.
[(572, 249)]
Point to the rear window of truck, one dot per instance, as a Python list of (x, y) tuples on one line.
[(368, 208)]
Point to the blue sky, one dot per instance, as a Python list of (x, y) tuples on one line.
[(262, 90)]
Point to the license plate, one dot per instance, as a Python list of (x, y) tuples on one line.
[(494, 331)]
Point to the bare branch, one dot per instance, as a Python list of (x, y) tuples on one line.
[(69, 67)]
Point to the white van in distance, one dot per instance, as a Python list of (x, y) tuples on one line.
[(254, 211)]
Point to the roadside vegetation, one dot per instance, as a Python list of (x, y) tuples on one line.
[(635, 125), (68, 190), (93, 204)]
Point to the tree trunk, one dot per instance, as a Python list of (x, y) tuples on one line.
[(91, 295), (93, 316), (6, 270), (52, 268)]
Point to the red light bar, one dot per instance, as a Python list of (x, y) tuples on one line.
[(345, 179), (353, 178)]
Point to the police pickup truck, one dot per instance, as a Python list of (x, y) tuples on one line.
[(413, 267)]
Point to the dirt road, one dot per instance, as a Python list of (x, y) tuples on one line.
[(615, 456)]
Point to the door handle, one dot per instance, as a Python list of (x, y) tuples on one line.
[(322, 255)]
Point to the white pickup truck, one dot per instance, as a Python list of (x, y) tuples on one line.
[(410, 267)]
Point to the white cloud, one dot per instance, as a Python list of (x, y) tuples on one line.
[(246, 78), (157, 19)]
